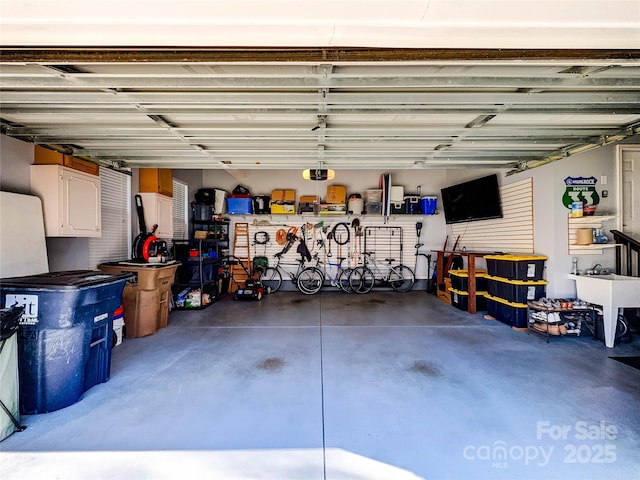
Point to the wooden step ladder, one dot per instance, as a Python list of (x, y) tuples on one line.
[(242, 251)]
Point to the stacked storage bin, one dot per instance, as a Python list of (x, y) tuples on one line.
[(239, 204), (514, 280), (460, 289)]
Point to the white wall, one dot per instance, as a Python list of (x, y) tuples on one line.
[(16, 157), (356, 181), (550, 215)]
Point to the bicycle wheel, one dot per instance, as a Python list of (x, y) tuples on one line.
[(361, 280), (271, 279), (401, 278), (310, 281), (343, 280)]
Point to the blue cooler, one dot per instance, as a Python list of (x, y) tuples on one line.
[(65, 334), (429, 205), (412, 204)]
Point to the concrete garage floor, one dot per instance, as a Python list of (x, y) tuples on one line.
[(336, 386)]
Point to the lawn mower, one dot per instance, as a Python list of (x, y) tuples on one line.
[(251, 288)]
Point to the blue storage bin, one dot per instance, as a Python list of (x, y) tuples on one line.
[(65, 335), (239, 206)]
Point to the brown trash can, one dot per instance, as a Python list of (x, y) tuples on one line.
[(146, 301)]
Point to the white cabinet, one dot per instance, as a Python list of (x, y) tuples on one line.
[(158, 209), (70, 201)]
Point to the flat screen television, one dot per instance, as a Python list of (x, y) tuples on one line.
[(474, 200)]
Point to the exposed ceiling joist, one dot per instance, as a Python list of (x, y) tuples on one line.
[(487, 110)]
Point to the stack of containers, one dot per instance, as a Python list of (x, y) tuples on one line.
[(514, 280), (460, 289), (374, 202)]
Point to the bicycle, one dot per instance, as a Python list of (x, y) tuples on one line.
[(593, 323), (307, 279), (362, 279), (341, 236), (341, 277)]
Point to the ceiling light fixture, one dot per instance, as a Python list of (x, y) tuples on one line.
[(318, 174)]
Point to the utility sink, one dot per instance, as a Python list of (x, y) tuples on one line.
[(612, 292)]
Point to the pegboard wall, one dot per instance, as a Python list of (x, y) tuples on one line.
[(315, 233)]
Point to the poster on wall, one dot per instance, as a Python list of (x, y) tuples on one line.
[(582, 190)]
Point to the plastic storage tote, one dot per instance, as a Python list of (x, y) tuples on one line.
[(239, 206), (374, 208), (516, 267), (65, 335), (518, 291), (146, 300), (514, 314), (460, 300), (460, 279)]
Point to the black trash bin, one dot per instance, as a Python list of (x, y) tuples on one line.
[(64, 340)]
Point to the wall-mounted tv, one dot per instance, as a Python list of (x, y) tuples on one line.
[(477, 199)]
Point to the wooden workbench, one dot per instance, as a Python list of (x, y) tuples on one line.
[(471, 268)]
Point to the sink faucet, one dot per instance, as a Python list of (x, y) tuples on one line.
[(595, 270)]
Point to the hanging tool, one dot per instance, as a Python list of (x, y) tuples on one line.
[(453, 260), (260, 262)]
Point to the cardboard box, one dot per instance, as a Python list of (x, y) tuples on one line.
[(290, 196), (336, 194), (309, 199), (283, 196)]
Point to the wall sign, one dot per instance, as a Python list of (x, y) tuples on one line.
[(580, 189)]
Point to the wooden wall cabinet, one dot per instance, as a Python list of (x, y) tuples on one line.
[(156, 180), (158, 209), (70, 201), (44, 156)]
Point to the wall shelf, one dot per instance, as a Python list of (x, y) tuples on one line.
[(593, 221)]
